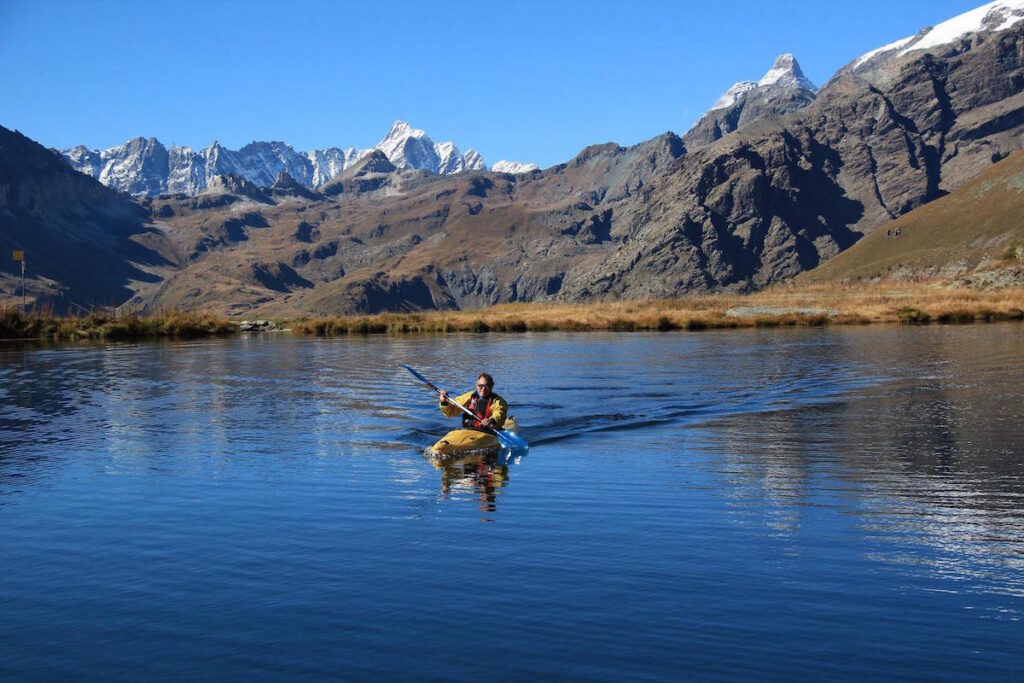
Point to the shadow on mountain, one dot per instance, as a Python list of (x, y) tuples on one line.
[(84, 244)]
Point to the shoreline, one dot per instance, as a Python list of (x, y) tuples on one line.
[(899, 302)]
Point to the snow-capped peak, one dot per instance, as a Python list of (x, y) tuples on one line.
[(474, 162), (400, 131), (993, 16), (513, 167), (786, 72), (730, 96), (143, 166)]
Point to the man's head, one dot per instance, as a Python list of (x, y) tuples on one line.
[(484, 384)]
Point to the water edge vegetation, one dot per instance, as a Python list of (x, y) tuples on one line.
[(778, 306)]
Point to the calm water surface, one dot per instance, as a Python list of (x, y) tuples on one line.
[(815, 504)]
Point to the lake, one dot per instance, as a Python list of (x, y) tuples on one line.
[(834, 503)]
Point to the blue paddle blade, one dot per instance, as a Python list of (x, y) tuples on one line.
[(511, 441), (420, 377)]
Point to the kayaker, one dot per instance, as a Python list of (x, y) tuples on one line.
[(489, 409)]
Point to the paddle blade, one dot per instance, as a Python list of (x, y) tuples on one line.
[(511, 441), (421, 377)]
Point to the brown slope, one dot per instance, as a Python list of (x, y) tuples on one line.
[(412, 242), (85, 244), (977, 223)]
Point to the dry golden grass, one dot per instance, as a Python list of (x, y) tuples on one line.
[(783, 305), (888, 302), (108, 325)]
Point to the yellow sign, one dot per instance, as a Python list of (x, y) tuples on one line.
[(19, 255)]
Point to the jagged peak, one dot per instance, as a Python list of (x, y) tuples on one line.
[(786, 72), (504, 166), (402, 129), (285, 181), (375, 161)]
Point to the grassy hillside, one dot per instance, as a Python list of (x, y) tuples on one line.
[(979, 224)]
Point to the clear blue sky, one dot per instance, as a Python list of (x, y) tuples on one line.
[(514, 80)]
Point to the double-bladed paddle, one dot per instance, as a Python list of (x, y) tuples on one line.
[(505, 437)]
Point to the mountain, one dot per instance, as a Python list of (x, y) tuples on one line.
[(84, 243), (777, 196), (782, 90), (976, 226), (145, 167), (989, 18), (513, 167), (408, 147)]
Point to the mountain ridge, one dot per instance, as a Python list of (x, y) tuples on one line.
[(145, 167)]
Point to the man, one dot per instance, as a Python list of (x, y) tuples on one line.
[(489, 410)]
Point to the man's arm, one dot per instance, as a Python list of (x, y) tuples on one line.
[(451, 410)]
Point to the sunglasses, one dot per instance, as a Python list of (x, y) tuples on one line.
[(482, 386)]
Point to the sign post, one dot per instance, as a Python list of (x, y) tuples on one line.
[(19, 255)]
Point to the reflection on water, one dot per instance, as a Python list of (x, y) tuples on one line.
[(841, 503), (478, 474)]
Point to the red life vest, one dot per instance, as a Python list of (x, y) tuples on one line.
[(480, 410)]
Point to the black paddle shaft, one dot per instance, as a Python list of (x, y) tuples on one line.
[(455, 403)]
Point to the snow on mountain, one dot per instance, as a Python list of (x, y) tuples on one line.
[(146, 167), (734, 93), (782, 90), (994, 16), (408, 147), (450, 159), (513, 167), (473, 160), (786, 73)]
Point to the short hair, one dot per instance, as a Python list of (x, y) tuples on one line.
[(485, 376)]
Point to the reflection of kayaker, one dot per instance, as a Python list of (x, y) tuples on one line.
[(480, 473)]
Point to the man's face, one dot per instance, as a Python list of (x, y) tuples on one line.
[(483, 388)]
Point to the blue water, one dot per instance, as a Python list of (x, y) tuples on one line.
[(840, 504)]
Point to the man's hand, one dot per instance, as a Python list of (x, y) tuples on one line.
[(444, 396)]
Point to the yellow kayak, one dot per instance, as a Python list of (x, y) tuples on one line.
[(470, 441)]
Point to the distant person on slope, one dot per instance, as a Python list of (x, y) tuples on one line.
[(489, 410)]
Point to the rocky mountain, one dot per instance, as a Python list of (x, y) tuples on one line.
[(989, 18), (408, 147), (513, 167), (145, 167), (777, 196), (976, 232), (782, 90), (84, 243)]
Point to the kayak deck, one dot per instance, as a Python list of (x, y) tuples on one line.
[(470, 441)]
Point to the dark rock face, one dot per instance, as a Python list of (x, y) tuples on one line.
[(279, 277), (73, 230), (779, 197), (287, 186), (373, 172)]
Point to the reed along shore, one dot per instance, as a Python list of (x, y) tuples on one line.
[(109, 325), (782, 305)]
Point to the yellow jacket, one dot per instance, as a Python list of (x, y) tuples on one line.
[(498, 413)]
